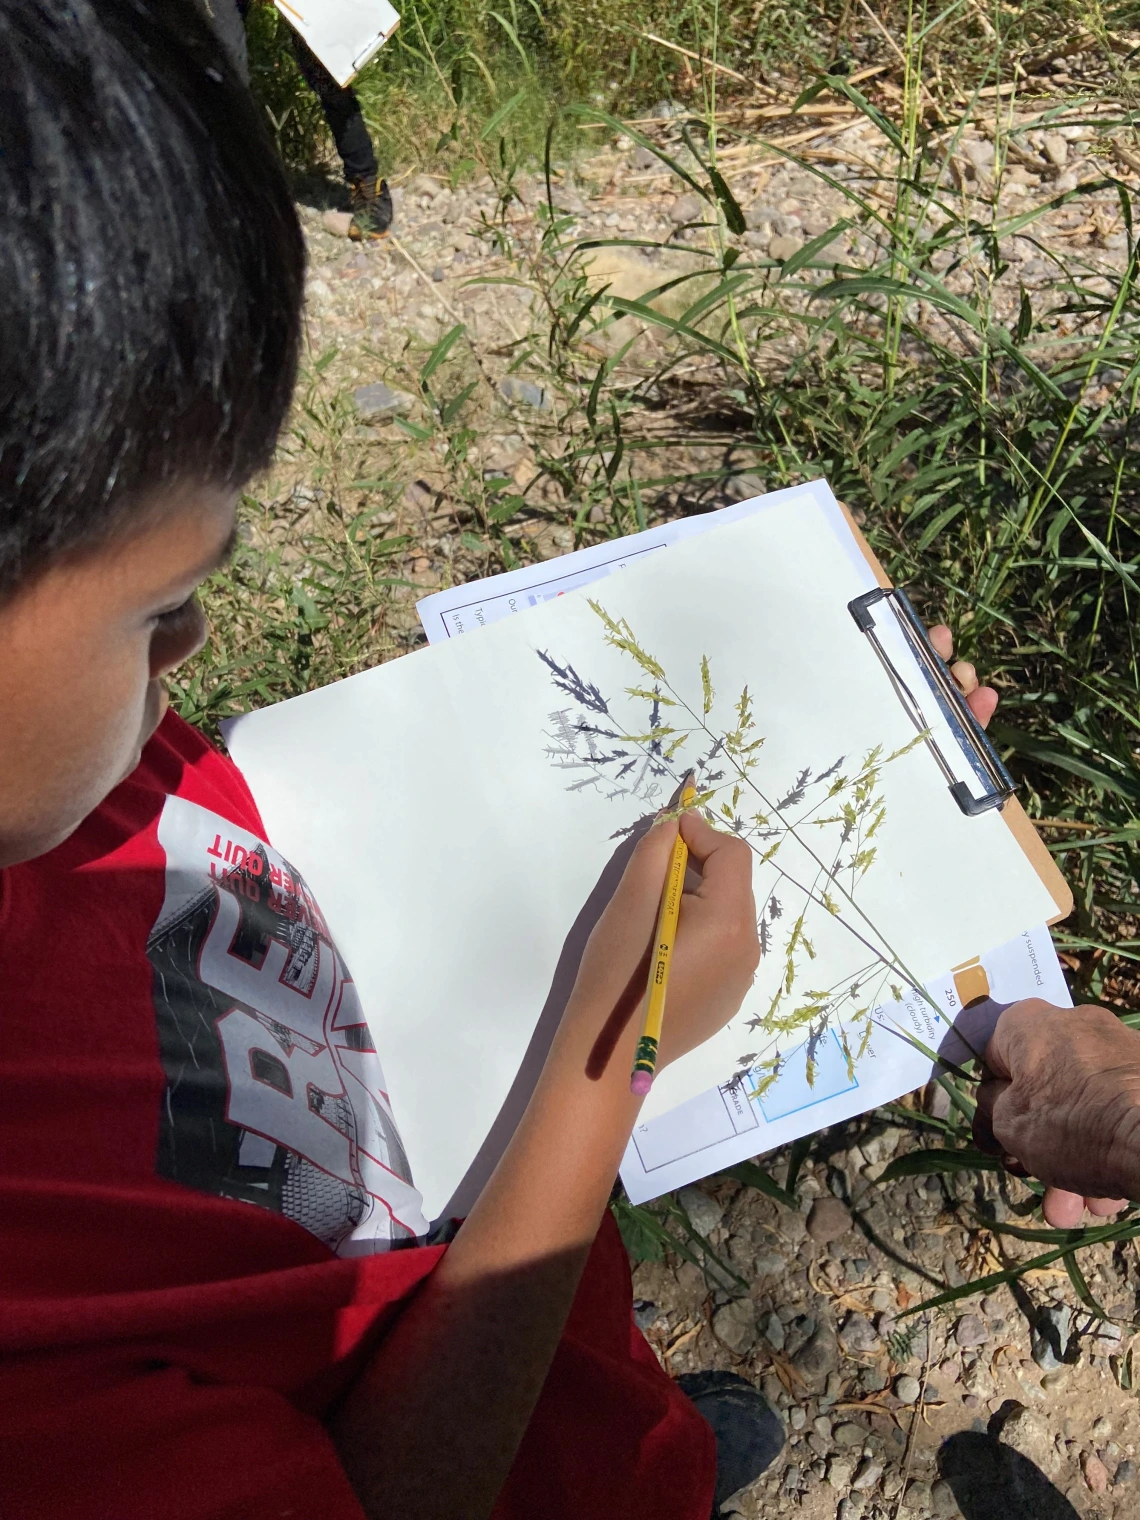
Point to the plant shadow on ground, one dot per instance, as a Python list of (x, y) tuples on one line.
[(991, 1481)]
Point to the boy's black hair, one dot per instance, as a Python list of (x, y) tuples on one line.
[(151, 270)]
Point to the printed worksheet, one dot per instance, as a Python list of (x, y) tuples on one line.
[(746, 1118)]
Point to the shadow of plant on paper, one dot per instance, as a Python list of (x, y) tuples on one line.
[(813, 832)]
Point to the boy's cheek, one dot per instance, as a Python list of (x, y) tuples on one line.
[(69, 742)]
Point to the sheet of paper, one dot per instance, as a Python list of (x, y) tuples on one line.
[(462, 814), (476, 604), (732, 1123), (344, 34)]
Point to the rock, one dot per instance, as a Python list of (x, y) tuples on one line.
[(703, 1212), (980, 152), (818, 1359), (643, 159), (1096, 1474), (774, 1332), (1106, 1341), (784, 246), (1051, 1337), (907, 1389), (760, 217), (849, 1434), (645, 1313), (744, 487), (769, 1264), (971, 1331), (1125, 1473), (797, 1418), (1056, 149), (735, 1325), (379, 400), (319, 291), (858, 1337), (839, 1472), (526, 393), (917, 1497), (1025, 1431), (758, 240), (1065, 181), (686, 208), (868, 1475), (942, 1500), (829, 1218), (337, 222)]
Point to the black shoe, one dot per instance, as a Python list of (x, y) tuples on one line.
[(371, 210), (749, 1434)]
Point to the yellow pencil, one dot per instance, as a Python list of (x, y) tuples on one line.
[(645, 1060)]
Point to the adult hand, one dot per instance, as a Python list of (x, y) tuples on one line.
[(981, 700), (1062, 1099)]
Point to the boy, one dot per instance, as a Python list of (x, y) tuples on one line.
[(202, 1313)]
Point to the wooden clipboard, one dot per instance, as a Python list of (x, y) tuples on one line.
[(1016, 818)]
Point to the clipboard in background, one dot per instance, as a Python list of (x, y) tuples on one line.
[(344, 34)]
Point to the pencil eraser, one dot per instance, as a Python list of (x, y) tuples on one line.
[(640, 1083)]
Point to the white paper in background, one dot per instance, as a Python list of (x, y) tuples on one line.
[(476, 604), (344, 34), (727, 1124), (426, 804)]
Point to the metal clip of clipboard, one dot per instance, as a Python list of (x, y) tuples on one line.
[(971, 737)]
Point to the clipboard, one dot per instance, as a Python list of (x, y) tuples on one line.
[(999, 797), (344, 34)]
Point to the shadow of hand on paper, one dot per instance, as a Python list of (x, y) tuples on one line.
[(992, 1481), (561, 986)]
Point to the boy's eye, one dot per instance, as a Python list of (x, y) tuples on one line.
[(173, 614)]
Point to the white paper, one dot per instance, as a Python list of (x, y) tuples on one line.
[(726, 1125), (344, 34), (439, 810), (476, 604)]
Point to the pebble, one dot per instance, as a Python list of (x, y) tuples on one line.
[(527, 393), (829, 1218), (337, 222), (907, 1389), (1026, 1431), (1051, 1337), (971, 1331), (1125, 1473), (379, 400), (868, 1475), (797, 1419), (735, 1325), (1096, 1474), (849, 1434), (818, 1359), (770, 1264), (686, 208), (858, 1336), (703, 1212), (774, 1332), (839, 1471), (942, 1500), (783, 246)]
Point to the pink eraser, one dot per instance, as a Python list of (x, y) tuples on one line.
[(640, 1083)]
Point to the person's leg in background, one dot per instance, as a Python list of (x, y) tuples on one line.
[(371, 198)]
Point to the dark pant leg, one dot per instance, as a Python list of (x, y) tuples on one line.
[(342, 112)]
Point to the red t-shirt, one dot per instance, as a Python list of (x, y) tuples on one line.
[(206, 1215)]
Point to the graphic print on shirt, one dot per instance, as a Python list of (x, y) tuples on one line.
[(274, 1090)]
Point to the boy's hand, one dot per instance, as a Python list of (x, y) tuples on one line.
[(1063, 1100), (716, 951)]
